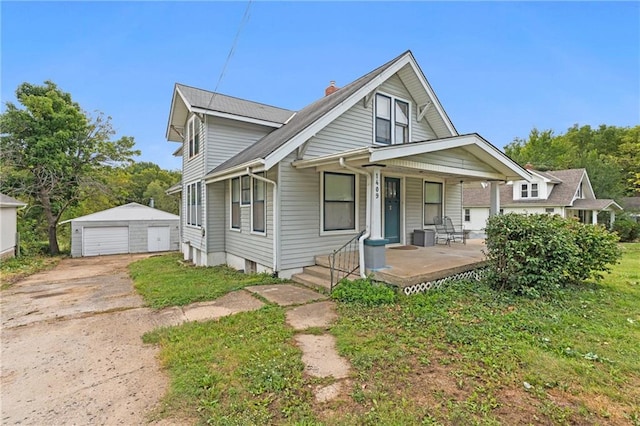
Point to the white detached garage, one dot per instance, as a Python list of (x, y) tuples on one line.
[(132, 228)]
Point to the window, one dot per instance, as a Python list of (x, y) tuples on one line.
[(579, 194), (194, 204), (549, 210), (524, 190), (339, 201), (534, 190), (432, 202), (392, 120), (246, 190), (467, 215), (258, 210), (193, 136), (235, 203)]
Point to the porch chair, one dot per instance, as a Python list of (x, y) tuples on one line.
[(452, 232), (441, 231)]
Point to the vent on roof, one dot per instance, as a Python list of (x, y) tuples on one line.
[(331, 89)]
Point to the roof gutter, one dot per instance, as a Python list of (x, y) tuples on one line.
[(275, 240), (367, 231)]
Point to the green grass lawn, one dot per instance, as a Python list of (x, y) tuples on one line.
[(168, 281), (461, 355)]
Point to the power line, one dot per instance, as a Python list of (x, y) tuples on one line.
[(243, 22)]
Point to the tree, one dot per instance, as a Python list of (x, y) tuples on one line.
[(51, 150)]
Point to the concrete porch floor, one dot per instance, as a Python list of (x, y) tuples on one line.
[(416, 265)]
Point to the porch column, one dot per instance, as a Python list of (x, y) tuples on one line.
[(494, 203), (374, 246), (612, 218), (594, 217)]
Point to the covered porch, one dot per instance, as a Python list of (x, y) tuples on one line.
[(408, 186)]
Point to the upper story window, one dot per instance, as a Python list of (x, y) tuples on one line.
[(467, 215), (193, 136), (529, 190), (392, 120), (580, 193)]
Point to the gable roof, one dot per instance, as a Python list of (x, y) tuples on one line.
[(563, 193), (131, 211), (305, 123), (187, 98), (6, 201)]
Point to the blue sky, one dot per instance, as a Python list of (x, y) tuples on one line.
[(498, 68)]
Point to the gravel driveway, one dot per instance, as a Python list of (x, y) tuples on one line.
[(71, 347)]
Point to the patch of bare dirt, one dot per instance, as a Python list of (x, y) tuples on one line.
[(71, 347)]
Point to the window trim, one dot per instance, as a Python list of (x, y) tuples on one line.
[(524, 190), (253, 192), (537, 190), (196, 196), (424, 201), (356, 206), (392, 120), (231, 202), (193, 137), (467, 215)]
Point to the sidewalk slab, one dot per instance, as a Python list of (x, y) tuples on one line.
[(286, 294), (320, 356), (319, 314), (229, 304)]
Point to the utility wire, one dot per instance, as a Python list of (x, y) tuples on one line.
[(243, 22)]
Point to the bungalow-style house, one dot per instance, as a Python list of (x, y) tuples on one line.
[(564, 192), (267, 189), (8, 225)]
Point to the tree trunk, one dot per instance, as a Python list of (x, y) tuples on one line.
[(52, 230)]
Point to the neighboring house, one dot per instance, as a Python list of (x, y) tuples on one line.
[(131, 228), (9, 225), (567, 193), (632, 206), (268, 189)]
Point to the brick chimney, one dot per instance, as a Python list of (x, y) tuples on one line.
[(528, 166), (332, 88)]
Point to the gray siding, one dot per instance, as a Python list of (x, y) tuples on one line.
[(243, 243), (354, 128), (226, 138), (138, 234), (193, 170), (414, 206), (216, 216), (300, 216), (453, 203)]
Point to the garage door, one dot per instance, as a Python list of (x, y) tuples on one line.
[(158, 238), (105, 240)]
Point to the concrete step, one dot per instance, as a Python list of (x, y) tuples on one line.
[(318, 271), (313, 282)]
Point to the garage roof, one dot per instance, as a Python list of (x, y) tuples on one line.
[(131, 211)]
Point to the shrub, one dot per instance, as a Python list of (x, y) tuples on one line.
[(534, 254), (626, 227), (364, 292)]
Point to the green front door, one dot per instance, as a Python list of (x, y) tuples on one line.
[(392, 210)]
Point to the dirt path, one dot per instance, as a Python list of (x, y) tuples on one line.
[(71, 347)]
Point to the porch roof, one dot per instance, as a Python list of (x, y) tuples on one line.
[(467, 157), (597, 204)]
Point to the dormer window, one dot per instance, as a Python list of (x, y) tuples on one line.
[(529, 190), (193, 136), (580, 194), (392, 120)]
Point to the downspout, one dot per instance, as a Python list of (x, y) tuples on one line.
[(275, 216), (367, 231)]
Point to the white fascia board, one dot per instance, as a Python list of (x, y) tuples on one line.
[(236, 117), (318, 161), (404, 150), (585, 176), (416, 165), (176, 91), (544, 179), (293, 143), (235, 171), (434, 98)]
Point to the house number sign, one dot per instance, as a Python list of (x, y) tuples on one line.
[(377, 185)]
